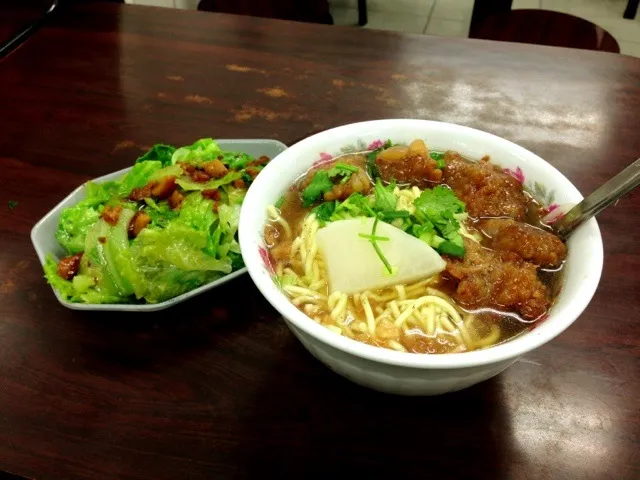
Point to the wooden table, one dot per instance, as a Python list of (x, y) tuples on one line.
[(219, 388)]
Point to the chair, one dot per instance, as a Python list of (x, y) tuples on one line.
[(313, 11), (632, 9), (494, 20), (362, 13)]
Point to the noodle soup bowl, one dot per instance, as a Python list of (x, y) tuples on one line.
[(409, 373)]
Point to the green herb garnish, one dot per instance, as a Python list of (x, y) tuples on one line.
[(376, 247), (356, 205), (395, 214), (439, 158), (385, 200), (374, 238), (12, 204), (279, 202), (320, 184), (324, 211), (342, 169), (435, 210), (372, 168)]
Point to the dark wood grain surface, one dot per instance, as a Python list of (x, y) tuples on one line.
[(218, 387)]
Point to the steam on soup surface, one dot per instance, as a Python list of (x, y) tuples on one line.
[(415, 251)]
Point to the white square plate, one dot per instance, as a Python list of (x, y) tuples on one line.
[(44, 239)]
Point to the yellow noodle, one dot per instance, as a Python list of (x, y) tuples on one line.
[(274, 216), (316, 286), (464, 333), (279, 269), (466, 233), (446, 306), (384, 298), (469, 320), (415, 292), (300, 299), (430, 320), (311, 309), (302, 250), (446, 323), (333, 299), (313, 229), (335, 329), (394, 309), (438, 293), (490, 339), (455, 336), (396, 346), (337, 313), (371, 322), (411, 321), (288, 271), (304, 291), (308, 266), (295, 246), (424, 314), (307, 230), (412, 306)]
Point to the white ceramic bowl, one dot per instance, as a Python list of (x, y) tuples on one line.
[(43, 234), (407, 373)]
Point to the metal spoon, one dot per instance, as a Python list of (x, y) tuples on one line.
[(593, 204)]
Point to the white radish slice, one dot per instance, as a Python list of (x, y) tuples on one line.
[(353, 265)]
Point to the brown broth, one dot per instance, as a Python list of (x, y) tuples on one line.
[(414, 340)]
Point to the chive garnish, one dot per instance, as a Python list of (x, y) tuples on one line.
[(376, 247), (346, 167), (374, 238)]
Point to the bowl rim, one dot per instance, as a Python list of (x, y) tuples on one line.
[(505, 351)]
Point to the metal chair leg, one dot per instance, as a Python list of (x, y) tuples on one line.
[(362, 12), (632, 9)]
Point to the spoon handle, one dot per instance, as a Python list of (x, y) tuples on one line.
[(593, 204)]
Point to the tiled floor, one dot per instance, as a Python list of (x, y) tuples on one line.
[(452, 17)]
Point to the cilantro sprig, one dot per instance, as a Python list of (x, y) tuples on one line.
[(435, 221), (321, 182), (439, 158)]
